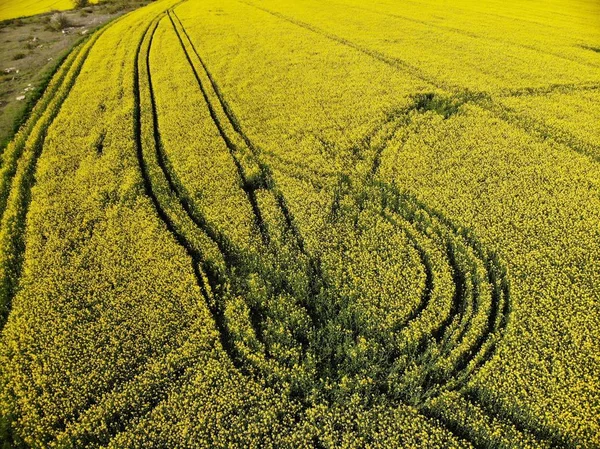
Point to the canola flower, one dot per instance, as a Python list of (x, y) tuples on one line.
[(12, 9)]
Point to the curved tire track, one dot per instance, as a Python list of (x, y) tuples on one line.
[(475, 354), (496, 320)]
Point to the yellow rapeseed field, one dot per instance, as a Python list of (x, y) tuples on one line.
[(11, 9), (309, 224)]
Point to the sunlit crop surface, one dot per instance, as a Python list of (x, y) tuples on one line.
[(315, 223), (11, 9)]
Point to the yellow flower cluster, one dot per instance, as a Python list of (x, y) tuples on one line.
[(569, 116), (11, 9)]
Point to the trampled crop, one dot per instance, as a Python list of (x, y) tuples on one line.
[(308, 224)]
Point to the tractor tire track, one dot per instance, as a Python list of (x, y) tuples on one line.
[(247, 187), (267, 180), (394, 62), (472, 35), (498, 293), (267, 183), (210, 280), (448, 234), (477, 354), (456, 305), (115, 415), (496, 276), (482, 99), (546, 437), (196, 255)]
